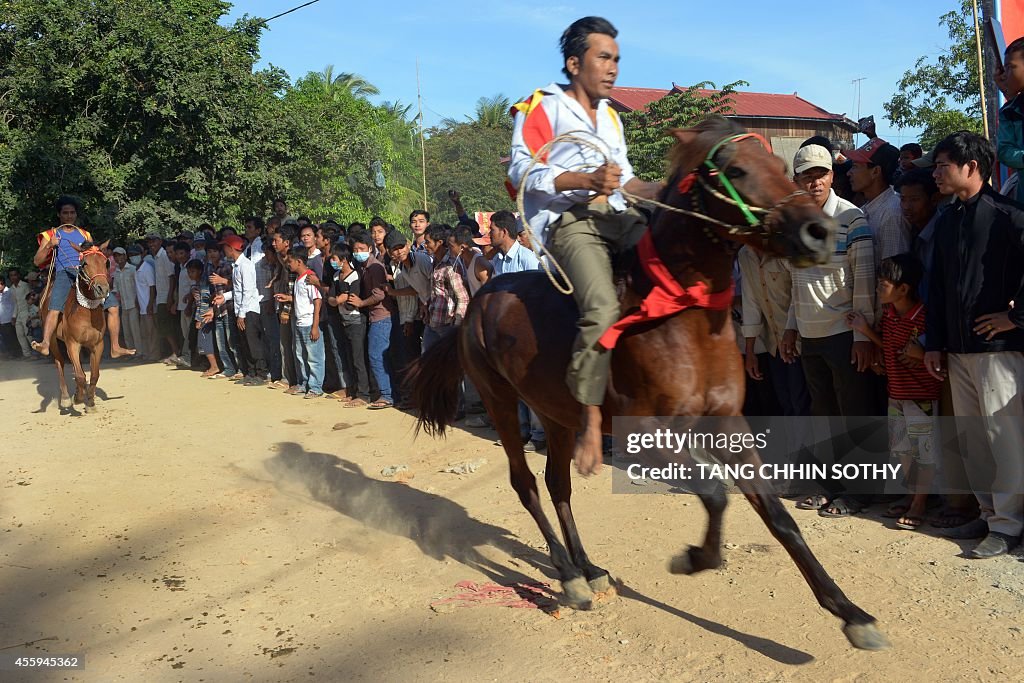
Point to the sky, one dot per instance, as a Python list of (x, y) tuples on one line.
[(472, 48)]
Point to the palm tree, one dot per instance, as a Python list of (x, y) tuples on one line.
[(356, 84), (333, 85), (491, 112)]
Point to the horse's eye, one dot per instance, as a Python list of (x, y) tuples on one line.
[(734, 173)]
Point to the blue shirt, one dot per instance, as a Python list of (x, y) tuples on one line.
[(518, 259), (66, 255)]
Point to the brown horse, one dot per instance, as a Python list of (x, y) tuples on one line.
[(82, 325), (516, 341)]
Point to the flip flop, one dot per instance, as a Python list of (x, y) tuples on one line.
[(910, 522), (896, 510), (354, 403), (379, 405), (846, 507), (815, 502), (951, 520)]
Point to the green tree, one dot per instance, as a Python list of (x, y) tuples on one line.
[(467, 157), (646, 130), (490, 112), (942, 96), (335, 86), (151, 112), (342, 152)]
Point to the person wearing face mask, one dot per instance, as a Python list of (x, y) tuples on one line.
[(352, 323), (373, 299), (124, 287)]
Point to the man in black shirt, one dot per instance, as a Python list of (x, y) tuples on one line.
[(976, 316)]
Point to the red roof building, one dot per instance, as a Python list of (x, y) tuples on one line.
[(785, 120)]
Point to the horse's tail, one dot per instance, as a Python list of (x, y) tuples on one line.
[(433, 382)]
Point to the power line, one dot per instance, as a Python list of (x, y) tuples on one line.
[(293, 9)]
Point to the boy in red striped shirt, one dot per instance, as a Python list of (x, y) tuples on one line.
[(913, 392)]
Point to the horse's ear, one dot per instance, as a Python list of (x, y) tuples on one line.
[(103, 247), (684, 135), (75, 246)]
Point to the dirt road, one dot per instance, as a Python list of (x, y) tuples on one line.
[(195, 530)]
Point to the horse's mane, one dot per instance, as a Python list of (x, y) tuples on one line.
[(711, 130)]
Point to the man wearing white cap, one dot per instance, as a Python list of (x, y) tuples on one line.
[(835, 358), (124, 288)]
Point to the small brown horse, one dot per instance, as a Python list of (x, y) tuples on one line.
[(82, 325), (517, 337)]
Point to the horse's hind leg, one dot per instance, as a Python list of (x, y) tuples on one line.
[(557, 476), (708, 555), (859, 626), (502, 404)]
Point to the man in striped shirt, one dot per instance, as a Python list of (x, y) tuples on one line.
[(835, 359)]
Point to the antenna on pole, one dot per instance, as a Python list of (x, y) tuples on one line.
[(856, 89), (423, 151)]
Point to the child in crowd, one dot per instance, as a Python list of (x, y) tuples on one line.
[(202, 314), (353, 324), (309, 347), (913, 392)]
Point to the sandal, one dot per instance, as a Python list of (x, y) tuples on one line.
[(354, 403), (842, 506), (379, 405), (219, 375), (949, 519), (910, 522), (815, 502), (292, 391), (897, 509), (208, 374)]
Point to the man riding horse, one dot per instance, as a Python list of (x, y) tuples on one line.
[(58, 246), (580, 215)]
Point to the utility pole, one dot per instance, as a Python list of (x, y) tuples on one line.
[(423, 151)]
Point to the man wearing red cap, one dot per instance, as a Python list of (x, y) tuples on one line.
[(874, 167), (245, 300)]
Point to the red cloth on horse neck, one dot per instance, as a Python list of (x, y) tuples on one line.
[(667, 297)]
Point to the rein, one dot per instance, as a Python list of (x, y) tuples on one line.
[(688, 187)]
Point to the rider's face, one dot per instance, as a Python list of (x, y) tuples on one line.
[(68, 215), (597, 70)]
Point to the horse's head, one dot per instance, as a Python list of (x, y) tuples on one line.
[(92, 269), (730, 176)]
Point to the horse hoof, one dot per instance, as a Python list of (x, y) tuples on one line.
[(65, 403), (89, 409), (866, 636), (601, 584), (578, 594), (680, 564), (692, 561)]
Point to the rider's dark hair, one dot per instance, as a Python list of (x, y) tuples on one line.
[(575, 40), (67, 200)]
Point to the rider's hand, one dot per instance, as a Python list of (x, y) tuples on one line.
[(606, 179)]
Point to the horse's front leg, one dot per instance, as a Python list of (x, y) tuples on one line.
[(58, 360), (95, 355), (859, 626), (74, 355)]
